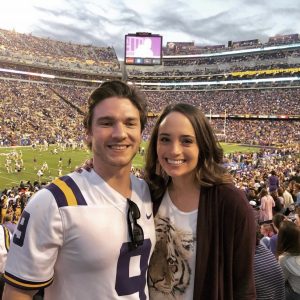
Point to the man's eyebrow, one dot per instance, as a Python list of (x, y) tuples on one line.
[(182, 136), (105, 117), (110, 118), (132, 118)]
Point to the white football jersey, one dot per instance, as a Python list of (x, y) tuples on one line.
[(73, 239)]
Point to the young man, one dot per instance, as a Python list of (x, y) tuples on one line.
[(90, 235)]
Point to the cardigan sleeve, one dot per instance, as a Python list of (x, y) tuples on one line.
[(243, 250), (226, 238)]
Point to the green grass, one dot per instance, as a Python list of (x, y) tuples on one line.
[(30, 171), (77, 157), (230, 148)]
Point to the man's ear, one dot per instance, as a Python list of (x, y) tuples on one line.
[(88, 138)]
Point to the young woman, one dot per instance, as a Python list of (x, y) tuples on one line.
[(205, 227), (266, 206), (288, 251)]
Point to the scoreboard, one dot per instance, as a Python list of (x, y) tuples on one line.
[(143, 48)]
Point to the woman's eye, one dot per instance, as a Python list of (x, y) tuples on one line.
[(187, 141)]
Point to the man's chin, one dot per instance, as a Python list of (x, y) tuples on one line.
[(121, 163)]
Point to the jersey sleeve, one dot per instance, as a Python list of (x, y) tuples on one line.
[(35, 244), (4, 246)]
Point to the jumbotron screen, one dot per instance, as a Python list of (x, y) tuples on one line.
[(143, 49)]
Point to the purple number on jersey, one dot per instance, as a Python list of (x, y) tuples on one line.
[(126, 285), (22, 226)]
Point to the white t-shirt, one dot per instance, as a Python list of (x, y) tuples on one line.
[(172, 265), (80, 246)]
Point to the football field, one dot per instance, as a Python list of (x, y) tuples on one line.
[(34, 158)]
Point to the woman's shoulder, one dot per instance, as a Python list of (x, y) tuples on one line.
[(291, 262), (228, 192), (228, 189), (228, 203)]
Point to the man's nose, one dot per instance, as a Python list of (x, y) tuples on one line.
[(119, 131)]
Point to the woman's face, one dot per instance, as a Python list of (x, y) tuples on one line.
[(177, 148)]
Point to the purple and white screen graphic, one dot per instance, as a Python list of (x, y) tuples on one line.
[(143, 46)]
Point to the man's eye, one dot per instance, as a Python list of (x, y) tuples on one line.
[(131, 124), (164, 139), (106, 124)]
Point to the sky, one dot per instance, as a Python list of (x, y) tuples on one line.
[(105, 22)]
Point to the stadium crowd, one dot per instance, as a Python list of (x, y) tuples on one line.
[(238, 101), (31, 113), (250, 132), (30, 49), (29, 107)]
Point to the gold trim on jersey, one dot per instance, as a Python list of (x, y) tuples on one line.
[(70, 196), (66, 192), (25, 284), (6, 238)]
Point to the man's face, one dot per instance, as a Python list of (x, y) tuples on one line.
[(115, 134)]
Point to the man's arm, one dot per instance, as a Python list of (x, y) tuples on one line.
[(11, 293)]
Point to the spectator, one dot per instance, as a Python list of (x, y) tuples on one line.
[(277, 220), (266, 206), (59, 260), (287, 197), (196, 203), (273, 182), (288, 251), (297, 193), (267, 231), (268, 275), (279, 201)]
